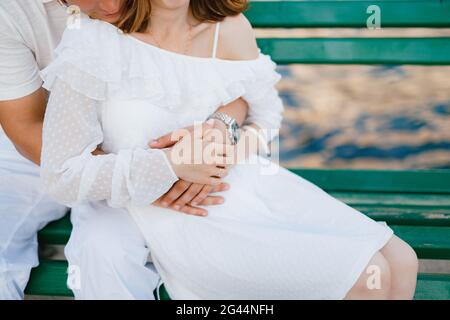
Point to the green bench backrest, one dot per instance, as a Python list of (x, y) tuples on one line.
[(403, 14), (339, 14), (429, 181)]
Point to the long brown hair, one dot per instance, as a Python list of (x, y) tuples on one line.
[(135, 15)]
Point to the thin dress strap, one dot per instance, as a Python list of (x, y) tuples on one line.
[(216, 38)]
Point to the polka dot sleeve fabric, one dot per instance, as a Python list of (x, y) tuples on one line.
[(71, 174)]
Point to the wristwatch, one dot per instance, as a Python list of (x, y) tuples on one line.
[(231, 124)]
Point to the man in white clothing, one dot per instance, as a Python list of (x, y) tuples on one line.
[(111, 264)]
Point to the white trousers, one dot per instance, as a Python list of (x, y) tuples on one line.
[(105, 248), (108, 255)]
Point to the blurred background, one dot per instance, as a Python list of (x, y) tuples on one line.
[(392, 117)]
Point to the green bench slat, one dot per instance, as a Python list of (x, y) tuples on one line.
[(50, 279), (395, 199), (400, 208), (428, 242), (386, 51), (338, 14), (404, 181), (419, 216), (433, 287), (56, 232)]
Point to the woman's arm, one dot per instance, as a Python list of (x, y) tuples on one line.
[(237, 109), (265, 108), (71, 173), (184, 196)]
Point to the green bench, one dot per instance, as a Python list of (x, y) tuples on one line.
[(415, 203)]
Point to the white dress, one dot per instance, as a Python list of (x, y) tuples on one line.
[(277, 236)]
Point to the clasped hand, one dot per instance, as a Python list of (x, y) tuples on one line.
[(201, 156)]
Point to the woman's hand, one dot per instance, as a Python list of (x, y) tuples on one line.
[(197, 152), (198, 161), (169, 139), (184, 196)]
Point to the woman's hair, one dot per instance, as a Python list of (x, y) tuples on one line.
[(135, 15)]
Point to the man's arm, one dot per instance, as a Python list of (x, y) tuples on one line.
[(22, 103), (22, 119), (22, 100)]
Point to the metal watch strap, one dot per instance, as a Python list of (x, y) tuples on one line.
[(231, 124)]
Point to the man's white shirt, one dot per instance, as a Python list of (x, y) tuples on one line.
[(29, 32)]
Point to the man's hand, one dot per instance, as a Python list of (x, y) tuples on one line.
[(185, 196)]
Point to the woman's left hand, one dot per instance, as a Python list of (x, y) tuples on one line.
[(184, 196)]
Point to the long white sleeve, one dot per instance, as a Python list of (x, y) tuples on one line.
[(266, 111), (71, 174), (265, 105)]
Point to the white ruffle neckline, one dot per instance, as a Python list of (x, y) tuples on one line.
[(101, 63), (185, 56)]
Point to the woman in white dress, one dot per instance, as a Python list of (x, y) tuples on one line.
[(277, 236)]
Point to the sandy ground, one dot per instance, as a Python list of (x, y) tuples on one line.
[(364, 116)]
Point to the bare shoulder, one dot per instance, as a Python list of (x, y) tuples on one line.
[(237, 39)]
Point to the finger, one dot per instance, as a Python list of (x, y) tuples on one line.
[(221, 172), (170, 138), (195, 211), (163, 141), (174, 193), (157, 203), (212, 200), (223, 186), (213, 181), (188, 195), (218, 172), (207, 135), (201, 195), (209, 124), (221, 149), (217, 154), (222, 161), (207, 189), (230, 158), (215, 135)]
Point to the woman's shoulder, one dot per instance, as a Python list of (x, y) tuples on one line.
[(237, 40)]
